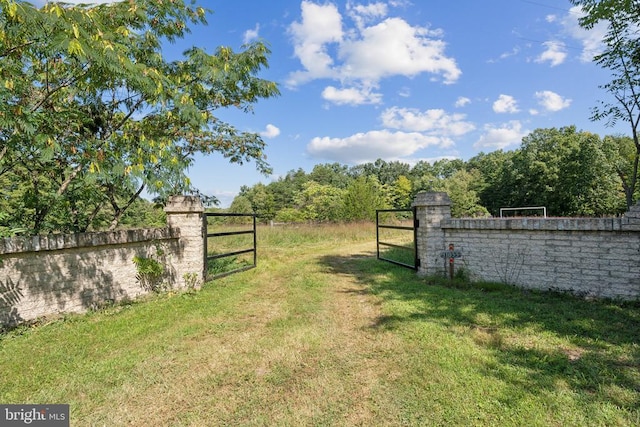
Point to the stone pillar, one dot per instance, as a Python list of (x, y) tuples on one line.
[(431, 208), (185, 213)]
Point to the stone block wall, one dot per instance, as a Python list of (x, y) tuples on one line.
[(56, 273), (598, 257)]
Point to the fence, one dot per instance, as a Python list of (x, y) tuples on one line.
[(595, 257), (51, 274)]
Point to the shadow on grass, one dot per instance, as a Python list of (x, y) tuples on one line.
[(600, 352)]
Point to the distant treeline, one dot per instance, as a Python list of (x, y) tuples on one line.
[(570, 172)]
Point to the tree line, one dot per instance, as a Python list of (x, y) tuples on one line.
[(92, 115), (570, 172)]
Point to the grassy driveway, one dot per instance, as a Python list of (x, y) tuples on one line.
[(323, 334)]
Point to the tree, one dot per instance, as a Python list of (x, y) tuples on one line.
[(361, 199), (622, 57), (564, 170), (260, 199), (401, 193), (495, 189), (465, 202), (320, 202), (91, 113)]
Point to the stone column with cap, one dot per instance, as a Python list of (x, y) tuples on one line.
[(431, 209), (185, 213)]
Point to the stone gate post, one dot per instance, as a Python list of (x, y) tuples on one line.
[(185, 213), (431, 208)]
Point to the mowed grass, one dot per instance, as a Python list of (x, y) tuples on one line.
[(321, 333)]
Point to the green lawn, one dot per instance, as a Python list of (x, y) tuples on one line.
[(321, 333)]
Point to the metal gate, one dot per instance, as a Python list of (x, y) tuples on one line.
[(396, 233), (224, 259)]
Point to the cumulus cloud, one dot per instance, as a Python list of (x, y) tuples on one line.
[(500, 137), (393, 47), (321, 26), (406, 131), (351, 96), (435, 122), (362, 14), (372, 48), (271, 131), (554, 54), (551, 101), (369, 146), (250, 35), (462, 101), (505, 104)]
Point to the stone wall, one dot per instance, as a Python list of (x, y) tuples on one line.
[(598, 257), (56, 273)]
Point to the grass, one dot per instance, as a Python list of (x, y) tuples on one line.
[(321, 333)]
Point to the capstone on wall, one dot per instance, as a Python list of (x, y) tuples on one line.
[(595, 257)]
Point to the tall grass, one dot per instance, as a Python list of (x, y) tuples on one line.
[(321, 333)]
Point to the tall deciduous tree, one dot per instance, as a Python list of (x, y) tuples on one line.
[(91, 112), (622, 57), (564, 170)]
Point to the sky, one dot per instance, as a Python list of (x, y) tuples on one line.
[(401, 80)]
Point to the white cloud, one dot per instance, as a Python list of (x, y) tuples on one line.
[(271, 131), (393, 47), (554, 54), (434, 122), (462, 101), (551, 18), (500, 137), (321, 26), (362, 14), (376, 48), (250, 35), (505, 104), (591, 40), (515, 51), (405, 92), (351, 96), (369, 146), (551, 101)]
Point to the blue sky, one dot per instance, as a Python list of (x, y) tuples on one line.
[(401, 80)]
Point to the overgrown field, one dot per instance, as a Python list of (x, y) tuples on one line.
[(321, 333)]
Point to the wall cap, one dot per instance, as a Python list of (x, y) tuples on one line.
[(425, 198), (54, 242), (184, 204), (541, 224)]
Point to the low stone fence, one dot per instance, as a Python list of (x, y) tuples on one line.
[(56, 273), (595, 257)]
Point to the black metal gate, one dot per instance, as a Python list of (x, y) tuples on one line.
[(225, 258), (397, 235)]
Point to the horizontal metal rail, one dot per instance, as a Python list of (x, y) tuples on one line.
[(208, 257), (414, 247), (229, 233), (396, 227), (393, 245), (228, 254)]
